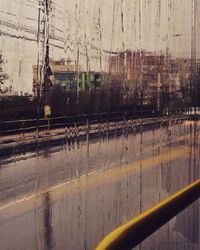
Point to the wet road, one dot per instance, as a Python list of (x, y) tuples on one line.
[(71, 196)]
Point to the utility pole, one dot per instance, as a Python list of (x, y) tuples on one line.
[(44, 70), (1, 70), (45, 65), (194, 87), (158, 91)]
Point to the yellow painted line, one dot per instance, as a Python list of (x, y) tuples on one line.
[(92, 180), (112, 239)]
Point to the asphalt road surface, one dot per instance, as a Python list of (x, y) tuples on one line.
[(72, 195)]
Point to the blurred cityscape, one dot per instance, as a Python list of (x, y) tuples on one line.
[(72, 63), (134, 78)]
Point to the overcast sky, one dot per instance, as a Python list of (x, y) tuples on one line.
[(152, 25)]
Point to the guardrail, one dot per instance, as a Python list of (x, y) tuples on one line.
[(40, 124), (56, 131), (132, 233), (27, 135)]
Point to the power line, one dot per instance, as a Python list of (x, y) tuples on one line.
[(16, 16), (33, 31)]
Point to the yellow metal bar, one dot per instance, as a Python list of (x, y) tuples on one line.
[(139, 228)]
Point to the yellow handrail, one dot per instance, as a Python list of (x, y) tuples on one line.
[(139, 228)]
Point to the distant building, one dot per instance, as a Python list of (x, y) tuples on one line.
[(153, 67), (5, 90), (137, 71), (65, 74), (150, 76), (124, 66), (62, 73)]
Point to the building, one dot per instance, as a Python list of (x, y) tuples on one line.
[(5, 89), (64, 74), (151, 76), (139, 72)]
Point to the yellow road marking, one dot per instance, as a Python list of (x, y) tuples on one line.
[(91, 180)]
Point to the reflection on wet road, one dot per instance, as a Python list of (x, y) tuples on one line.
[(70, 197)]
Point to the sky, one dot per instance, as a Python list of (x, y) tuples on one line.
[(91, 27)]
